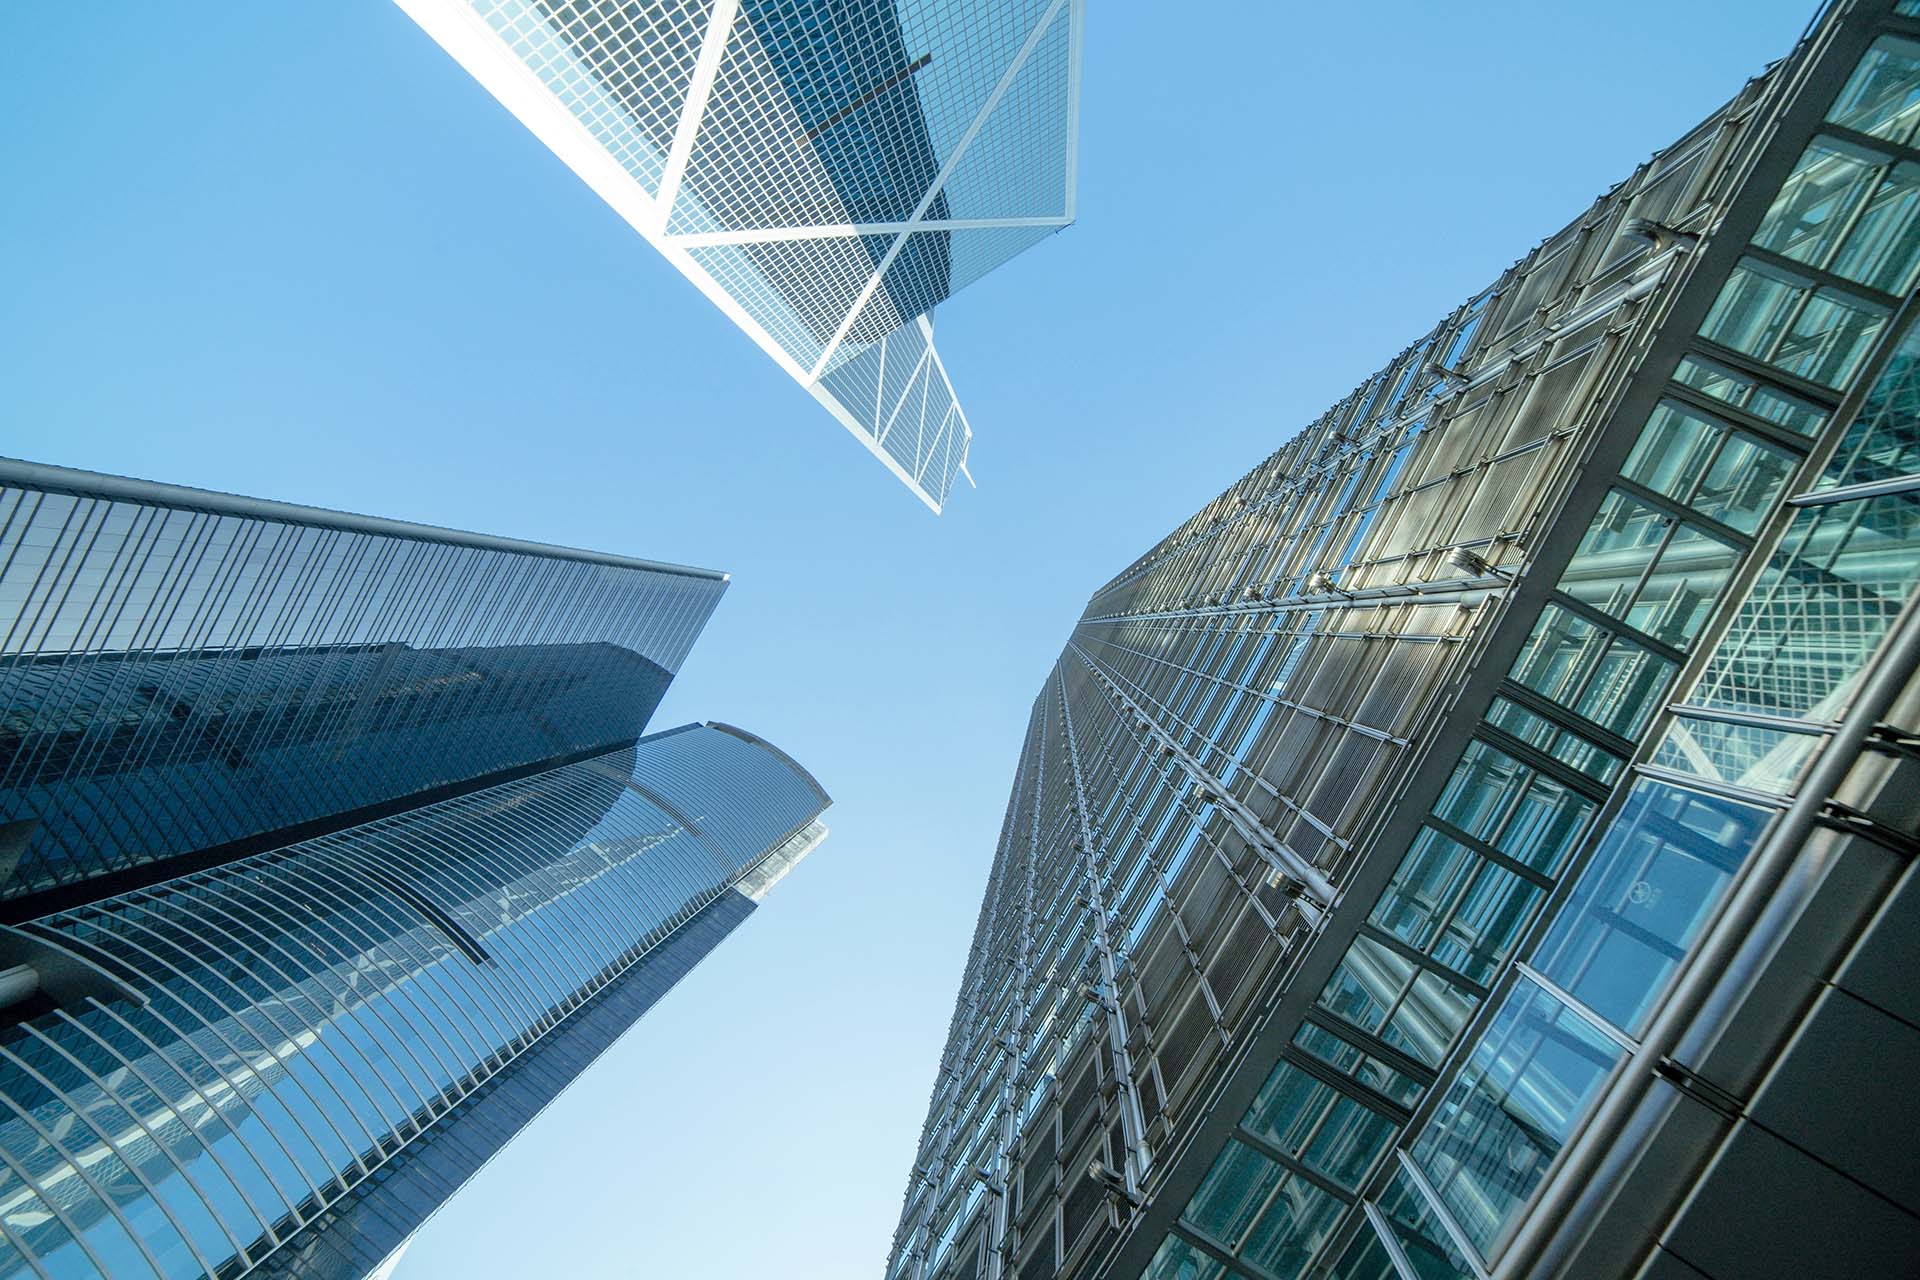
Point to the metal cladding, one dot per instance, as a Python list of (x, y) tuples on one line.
[(376, 861), (1461, 847), (826, 173)]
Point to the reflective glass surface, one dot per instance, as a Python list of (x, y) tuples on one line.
[(1510, 1109), (174, 679), (305, 1017)]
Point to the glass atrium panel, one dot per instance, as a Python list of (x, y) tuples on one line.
[(1695, 459), (1511, 1109), (1653, 885), (1797, 646), (1338, 1053), (1520, 811), (1851, 211), (1231, 1197), (1295, 1225), (1815, 206), (1883, 96), (1757, 757), (1563, 745), (1829, 338), (1884, 245), (1610, 680), (1455, 905), (1316, 1124), (1743, 392), (1883, 442), (1178, 1259), (1417, 1229), (1819, 334)]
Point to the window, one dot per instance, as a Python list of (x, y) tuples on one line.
[(1743, 392), (1883, 96), (1455, 905), (1650, 890), (1819, 334), (1697, 460), (1608, 679), (1653, 571), (1851, 211), (1316, 1124), (1511, 1109)]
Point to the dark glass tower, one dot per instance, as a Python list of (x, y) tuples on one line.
[(1481, 841), (336, 852)]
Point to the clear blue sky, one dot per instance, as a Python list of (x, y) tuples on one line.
[(291, 250)]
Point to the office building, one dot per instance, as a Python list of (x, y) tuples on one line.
[(826, 173), (335, 848), (1479, 842)]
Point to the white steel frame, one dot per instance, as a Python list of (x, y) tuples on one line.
[(465, 35)]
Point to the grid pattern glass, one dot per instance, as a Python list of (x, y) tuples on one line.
[(835, 170)]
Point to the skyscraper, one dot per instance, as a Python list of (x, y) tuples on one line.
[(1480, 841), (826, 173), (334, 851)]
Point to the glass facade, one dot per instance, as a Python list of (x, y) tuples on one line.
[(180, 671), (827, 173), (301, 1019), (332, 852), (1373, 829)]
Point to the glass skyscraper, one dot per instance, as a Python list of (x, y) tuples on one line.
[(1480, 842), (334, 848), (826, 173)]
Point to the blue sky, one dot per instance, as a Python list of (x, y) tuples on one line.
[(293, 251)]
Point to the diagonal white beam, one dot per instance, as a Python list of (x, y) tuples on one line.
[(839, 230), (912, 378), (694, 110), (939, 181)]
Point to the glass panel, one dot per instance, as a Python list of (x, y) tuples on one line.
[(1829, 338), (1562, 744), (1368, 984), (1368, 1070), (1417, 1228), (1178, 1259), (1449, 901), (1883, 96), (1884, 244), (1753, 310), (1428, 1019), (1232, 1195), (1653, 884), (1318, 1125), (1840, 578), (1884, 440), (1743, 392), (1619, 545), (1694, 459), (1511, 1109), (1814, 206), (1609, 680), (1760, 758), (1293, 1228), (1684, 586)]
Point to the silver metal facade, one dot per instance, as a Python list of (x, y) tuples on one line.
[(825, 173), (1431, 858)]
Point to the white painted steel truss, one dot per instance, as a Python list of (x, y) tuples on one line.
[(957, 119)]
